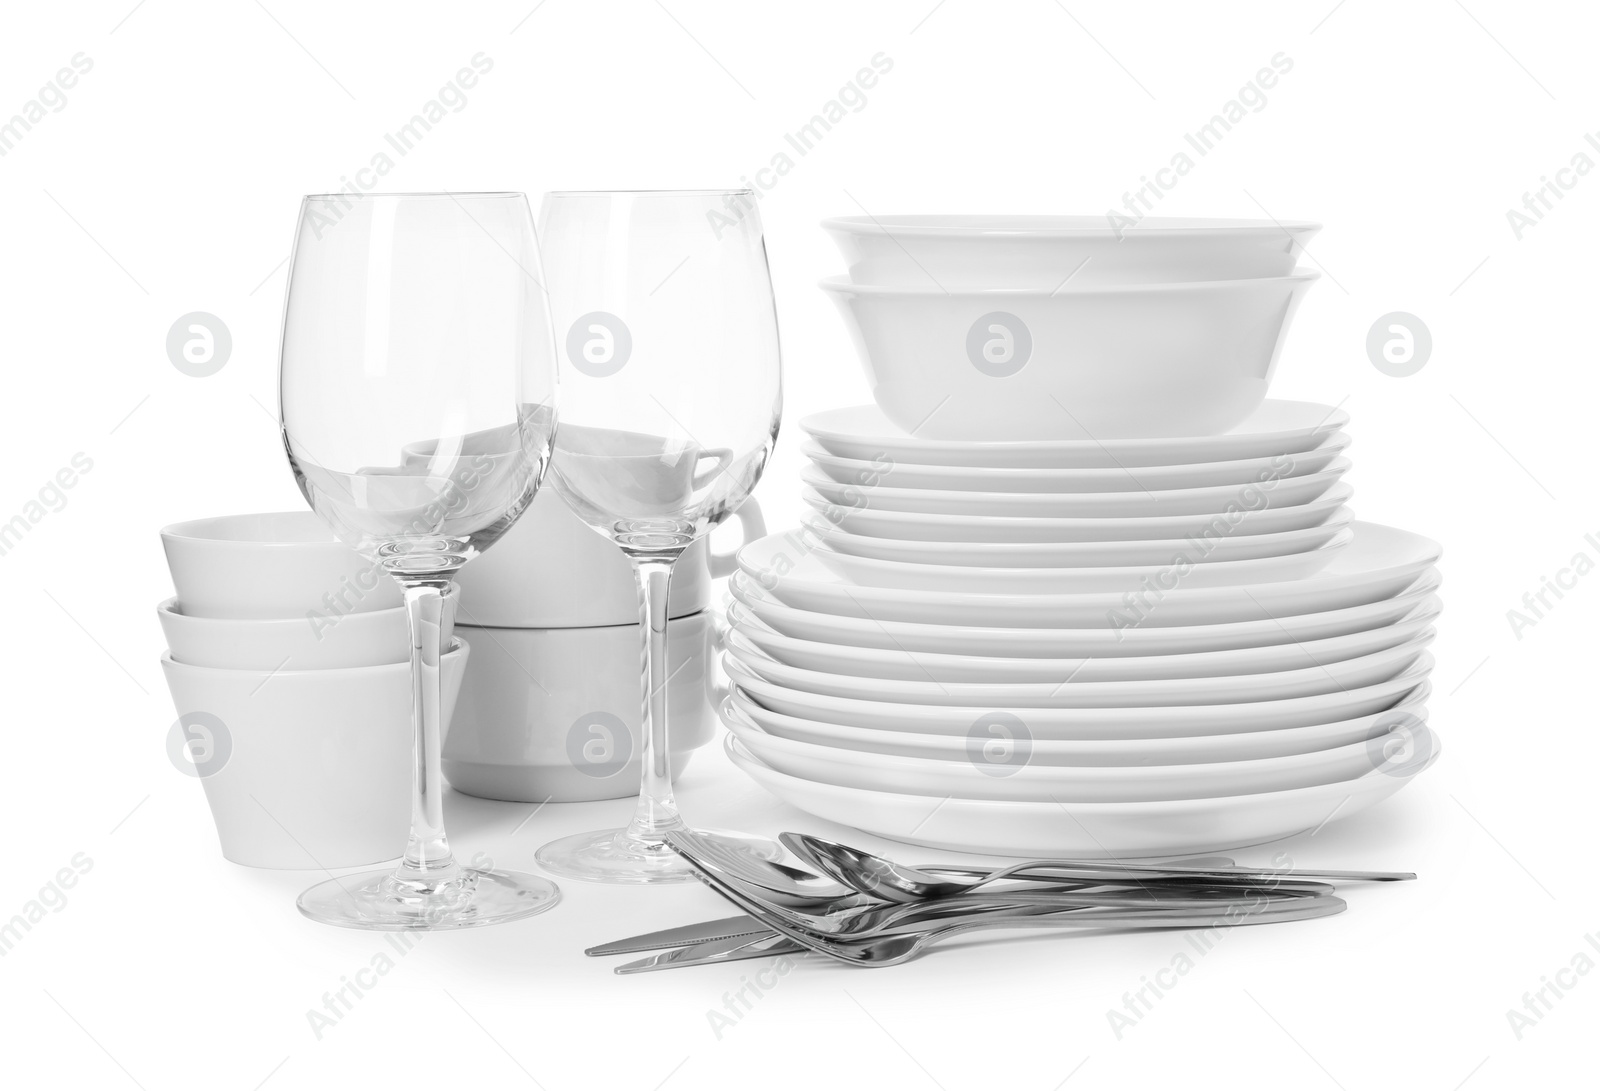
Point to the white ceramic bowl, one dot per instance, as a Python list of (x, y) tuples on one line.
[(365, 639), (552, 715), (1045, 251), (1094, 363), (278, 565), (314, 766)]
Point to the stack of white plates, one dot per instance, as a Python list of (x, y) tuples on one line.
[(1079, 647)]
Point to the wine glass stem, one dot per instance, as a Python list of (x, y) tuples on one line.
[(428, 857), (657, 811)]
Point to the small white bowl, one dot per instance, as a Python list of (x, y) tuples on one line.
[(1045, 251), (274, 565), (313, 768), (1090, 363), (366, 639)]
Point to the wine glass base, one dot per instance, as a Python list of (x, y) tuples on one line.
[(379, 901), (611, 856)]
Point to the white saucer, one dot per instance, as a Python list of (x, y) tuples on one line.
[(910, 475), (996, 769), (1276, 493), (1206, 550), (1186, 564), (915, 637), (1145, 722), (744, 658), (1099, 830), (853, 518), (1380, 563), (896, 663), (1236, 746), (1277, 427)]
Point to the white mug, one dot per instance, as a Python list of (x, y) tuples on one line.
[(551, 570), (552, 715)]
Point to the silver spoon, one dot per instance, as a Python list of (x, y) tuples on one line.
[(883, 878), (896, 947)]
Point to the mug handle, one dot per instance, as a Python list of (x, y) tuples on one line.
[(753, 526)]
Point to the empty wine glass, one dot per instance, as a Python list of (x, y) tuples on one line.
[(671, 394), (417, 389)]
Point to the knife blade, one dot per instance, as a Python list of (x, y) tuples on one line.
[(703, 932), (730, 949)]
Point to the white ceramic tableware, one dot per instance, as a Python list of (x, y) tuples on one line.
[(1094, 830), (1211, 499), (1063, 253), (1068, 691), (1237, 746), (1235, 521), (1187, 564), (995, 769), (303, 768), (1101, 642), (1202, 549), (896, 663), (275, 565), (1380, 563), (1092, 723), (552, 571), (363, 638), (888, 472), (1110, 362), (1276, 427), (552, 715)]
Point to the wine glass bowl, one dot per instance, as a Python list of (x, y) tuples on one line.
[(667, 339), (417, 386)]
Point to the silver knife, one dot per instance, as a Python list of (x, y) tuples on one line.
[(730, 949), (704, 932)]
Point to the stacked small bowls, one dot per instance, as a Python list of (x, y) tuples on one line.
[(1111, 601), (993, 328), (289, 665)]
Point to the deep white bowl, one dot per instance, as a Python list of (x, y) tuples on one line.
[(1091, 363), (1044, 251), (314, 767), (366, 638), (277, 565)]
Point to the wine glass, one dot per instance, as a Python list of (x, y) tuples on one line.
[(668, 344), (417, 389)]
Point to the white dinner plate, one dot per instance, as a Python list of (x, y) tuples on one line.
[(1380, 563), (744, 658), (1095, 830), (1202, 550), (1277, 427), (1100, 642), (885, 470), (855, 519), (999, 767), (1275, 493), (895, 663), (1185, 565), (1237, 746), (1148, 722)]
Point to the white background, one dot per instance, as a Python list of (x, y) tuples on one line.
[(169, 183)]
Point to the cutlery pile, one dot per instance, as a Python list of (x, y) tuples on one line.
[(864, 910)]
